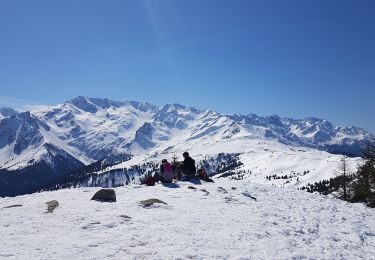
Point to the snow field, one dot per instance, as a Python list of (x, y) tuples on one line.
[(282, 224)]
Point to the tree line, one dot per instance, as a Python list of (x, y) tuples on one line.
[(358, 186)]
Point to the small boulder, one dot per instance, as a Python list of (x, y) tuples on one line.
[(151, 202), (51, 205), (192, 188), (105, 195)]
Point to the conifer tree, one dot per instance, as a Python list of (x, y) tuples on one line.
[(344, 178), (174, 160), (364, 187)]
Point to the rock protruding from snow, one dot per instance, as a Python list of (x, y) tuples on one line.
[(150, 202), (105, 195), (125, 216), (52, 205)]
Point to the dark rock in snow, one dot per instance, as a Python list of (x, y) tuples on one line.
[(125, 216), (105, 195), (51, 205), (13, 206), (192, 188), (151, 202), (204, 190)]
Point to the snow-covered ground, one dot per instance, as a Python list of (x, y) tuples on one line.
[(283, 223)]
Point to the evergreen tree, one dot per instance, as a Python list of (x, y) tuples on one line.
[(176, 167), (369, 152), (344, 179), (364, 187), (174, 160)]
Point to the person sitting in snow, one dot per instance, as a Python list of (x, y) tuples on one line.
[(203, 175), (188, 166), (166, 172)]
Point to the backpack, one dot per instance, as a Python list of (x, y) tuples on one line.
[(149, 181), (202, 174)]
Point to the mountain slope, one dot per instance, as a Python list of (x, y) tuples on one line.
[(27, 156), (222, 223), (85, 130), (310, 132), (265, 162), (52, 163)]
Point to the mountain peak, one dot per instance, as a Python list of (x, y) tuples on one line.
[(7, 111), (92, 105), (83, 103), (179, 108)]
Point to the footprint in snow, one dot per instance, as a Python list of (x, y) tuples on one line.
[(110, 225), (90, 225), (222, 190), (246, 194)]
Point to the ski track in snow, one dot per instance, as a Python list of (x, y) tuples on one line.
[(283, 223)]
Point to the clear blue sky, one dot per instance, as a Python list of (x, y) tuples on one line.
[(292, 58)]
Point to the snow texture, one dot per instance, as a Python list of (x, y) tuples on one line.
[(221, 221)]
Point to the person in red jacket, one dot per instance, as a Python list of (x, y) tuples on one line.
[(166, 172)]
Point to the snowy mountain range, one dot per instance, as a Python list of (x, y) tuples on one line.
[(44, 144)]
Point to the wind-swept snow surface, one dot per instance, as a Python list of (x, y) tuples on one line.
[(215, 220)]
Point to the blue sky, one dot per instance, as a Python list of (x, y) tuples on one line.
[(291, 58)]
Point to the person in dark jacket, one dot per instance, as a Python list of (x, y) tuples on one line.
[(188, 166)]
